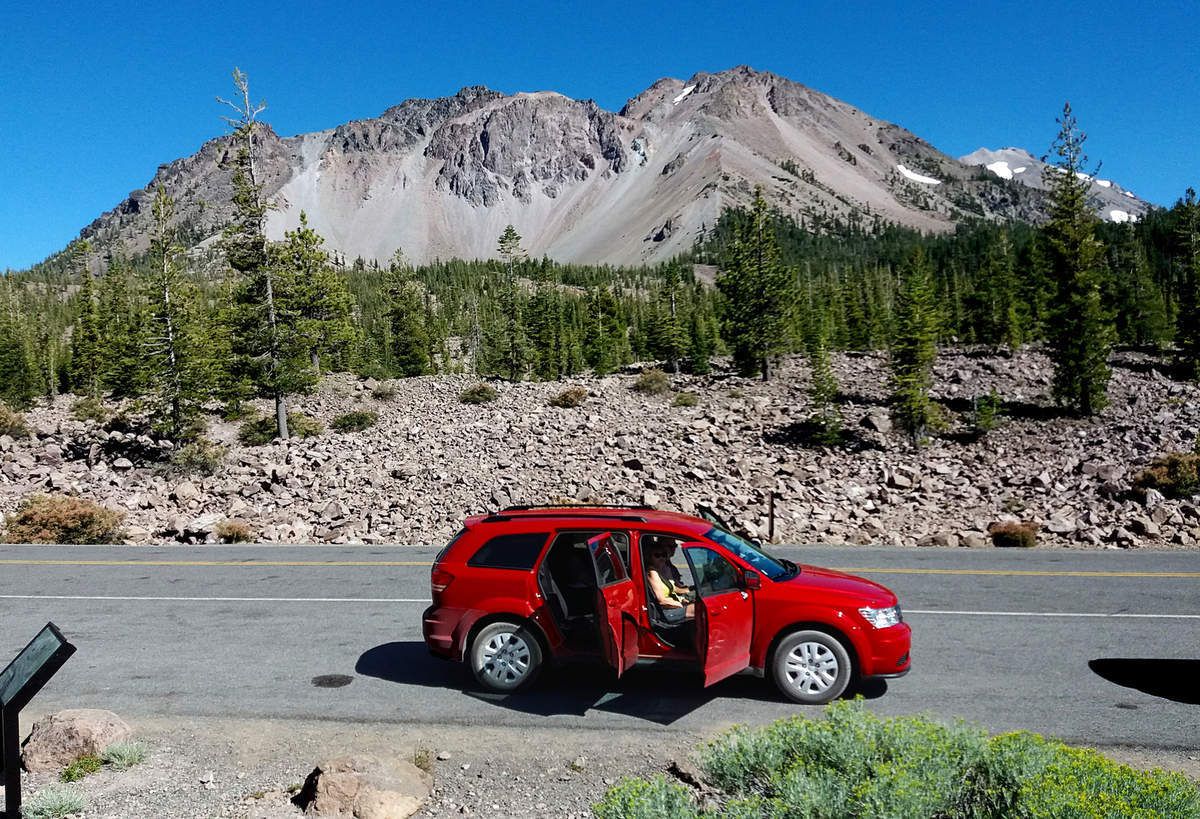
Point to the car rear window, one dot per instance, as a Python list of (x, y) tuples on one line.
[(510, 551)]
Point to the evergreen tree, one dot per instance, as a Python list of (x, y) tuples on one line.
[(1188, 333), (823, 388), (85, 336), (407, 320), (759, 294), (269, 350), (1081, 331), (178, 368), (508, 348), (668, 340), (914, 347), (122, 333), (18, 378), (604, 336), (1141, 312)]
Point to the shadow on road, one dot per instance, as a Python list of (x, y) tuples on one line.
[(1170, 679), (657, 696)]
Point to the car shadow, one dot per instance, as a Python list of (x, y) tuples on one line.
[(656, 695), (1170, 679)]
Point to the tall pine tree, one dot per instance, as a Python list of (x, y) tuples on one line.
[(86, 363), (409, 334), (1188, 324), (914, 347)]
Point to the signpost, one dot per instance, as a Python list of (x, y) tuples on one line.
[(19, 682)]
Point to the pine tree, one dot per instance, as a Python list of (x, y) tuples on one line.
[(1081, 331), (178, 368), (509, 348), (406, 318), (668, 340), (759, 294), (85, 336), (823, 388), (18, 377), (1141, 311), (914, 347), (122, 333), (269, 349), (1187, 334)]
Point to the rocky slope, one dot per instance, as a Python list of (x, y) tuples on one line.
[(432, 460), (442, 177)]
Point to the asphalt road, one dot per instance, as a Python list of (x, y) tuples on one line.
[(1094, 647)]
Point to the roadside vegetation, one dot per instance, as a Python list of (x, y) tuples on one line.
[(856, 765), (62, 519)]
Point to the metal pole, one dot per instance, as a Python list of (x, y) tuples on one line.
[(771, 520), (10, 740)]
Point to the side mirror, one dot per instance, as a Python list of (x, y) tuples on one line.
[(751, 580)]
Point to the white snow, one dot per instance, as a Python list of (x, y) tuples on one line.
[(1115, 215), (683, 94), (1130, 195), (1081, 175), (916, 177), (1001, 169), (1104, 183), (1021, 169)]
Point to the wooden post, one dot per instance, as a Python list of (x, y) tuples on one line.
[(10, 742), (771, 518)]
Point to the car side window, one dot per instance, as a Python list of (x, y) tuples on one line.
[(712, 572), (519, 551), (609, 567), (580, 537)]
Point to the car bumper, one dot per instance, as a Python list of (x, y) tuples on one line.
[(438, 627), (890, 652)]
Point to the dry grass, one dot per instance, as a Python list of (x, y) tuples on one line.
[(62, 519)]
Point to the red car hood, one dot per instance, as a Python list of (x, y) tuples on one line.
[(868, 592)]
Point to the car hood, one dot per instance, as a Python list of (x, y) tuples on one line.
[(851, 586)]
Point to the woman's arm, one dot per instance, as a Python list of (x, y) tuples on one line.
[(661, 591)]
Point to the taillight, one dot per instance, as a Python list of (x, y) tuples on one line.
[(440, 580)]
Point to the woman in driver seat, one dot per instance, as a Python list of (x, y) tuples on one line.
[(663, 579)]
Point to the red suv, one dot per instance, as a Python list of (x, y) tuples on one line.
[(527, 585)]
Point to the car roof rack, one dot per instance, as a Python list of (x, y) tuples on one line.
[(528, 507), (549, 513)]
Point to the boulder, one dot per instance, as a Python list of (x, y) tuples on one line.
[(878, 420), (365, 787), (59, 739)]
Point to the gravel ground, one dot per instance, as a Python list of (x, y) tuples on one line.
[(205, 767)]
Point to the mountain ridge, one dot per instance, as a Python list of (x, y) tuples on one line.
[(441, 177)]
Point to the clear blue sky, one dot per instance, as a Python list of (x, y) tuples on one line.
[(94, 97)]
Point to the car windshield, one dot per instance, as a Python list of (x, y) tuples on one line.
[(756, 557)]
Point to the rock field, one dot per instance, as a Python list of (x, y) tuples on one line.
[(431, 460)]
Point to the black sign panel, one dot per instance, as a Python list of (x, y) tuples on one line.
[(33, 668)]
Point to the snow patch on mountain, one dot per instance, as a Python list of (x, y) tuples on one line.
[(682, 95), (1121, 216), (1104, 183), (916, 177), (1001, 169)]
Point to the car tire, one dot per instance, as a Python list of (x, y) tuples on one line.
[(811, 667), (505, 657)]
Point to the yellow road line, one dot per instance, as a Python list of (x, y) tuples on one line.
[(364, 563)]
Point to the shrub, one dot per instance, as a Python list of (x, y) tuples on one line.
[(200, 457), (654, 798), (124, 755), (685, 399), (1007, 533), (81, 767), (259, 430), (986, 413), (62, 519), (12, 423), (652, 382), (90, 408), (570, 397), (54, 802), (481, 393), (233, 531), (1176, 475), (423, 759), (385, 390), (354, 421)]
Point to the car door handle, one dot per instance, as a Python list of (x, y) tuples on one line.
[(715, 611)]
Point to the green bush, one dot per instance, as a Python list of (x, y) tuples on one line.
[(54, 802), (62, 519), (1176, 475), (855, 764), (12, 423), (570, 397), (258, 430), (122, 756), (1014, 534), (354, 421), (653, 382), (200, 457), (81, 767), (685, 399), (654, 798), (233, 531), (986, 413), (90, 408), (481, 393), (385, 390)]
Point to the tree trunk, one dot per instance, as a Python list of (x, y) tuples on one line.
[(314, 358), (281, 421)]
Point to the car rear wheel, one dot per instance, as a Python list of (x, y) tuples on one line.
[(505, 656), (811, 667)]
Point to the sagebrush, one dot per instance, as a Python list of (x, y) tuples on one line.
[(653, 382), (481, 393), (12, 423), (570, 397), (354, 421), (62, 519), (1014, 534)]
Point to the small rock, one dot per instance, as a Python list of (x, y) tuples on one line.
[(62, 737), (122, 464)]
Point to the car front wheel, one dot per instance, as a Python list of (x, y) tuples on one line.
[(505, 657), (811, 667)]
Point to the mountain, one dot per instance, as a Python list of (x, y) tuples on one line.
[(1113, 202), (442, 177)]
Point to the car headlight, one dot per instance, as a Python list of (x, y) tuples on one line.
[(882, 618)]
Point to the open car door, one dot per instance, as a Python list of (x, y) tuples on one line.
[(724, 613), (616, 604)]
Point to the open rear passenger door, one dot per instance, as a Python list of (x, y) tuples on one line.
[(616, 604), (724, 613)]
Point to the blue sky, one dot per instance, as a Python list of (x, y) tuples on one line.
[(93, 98)]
